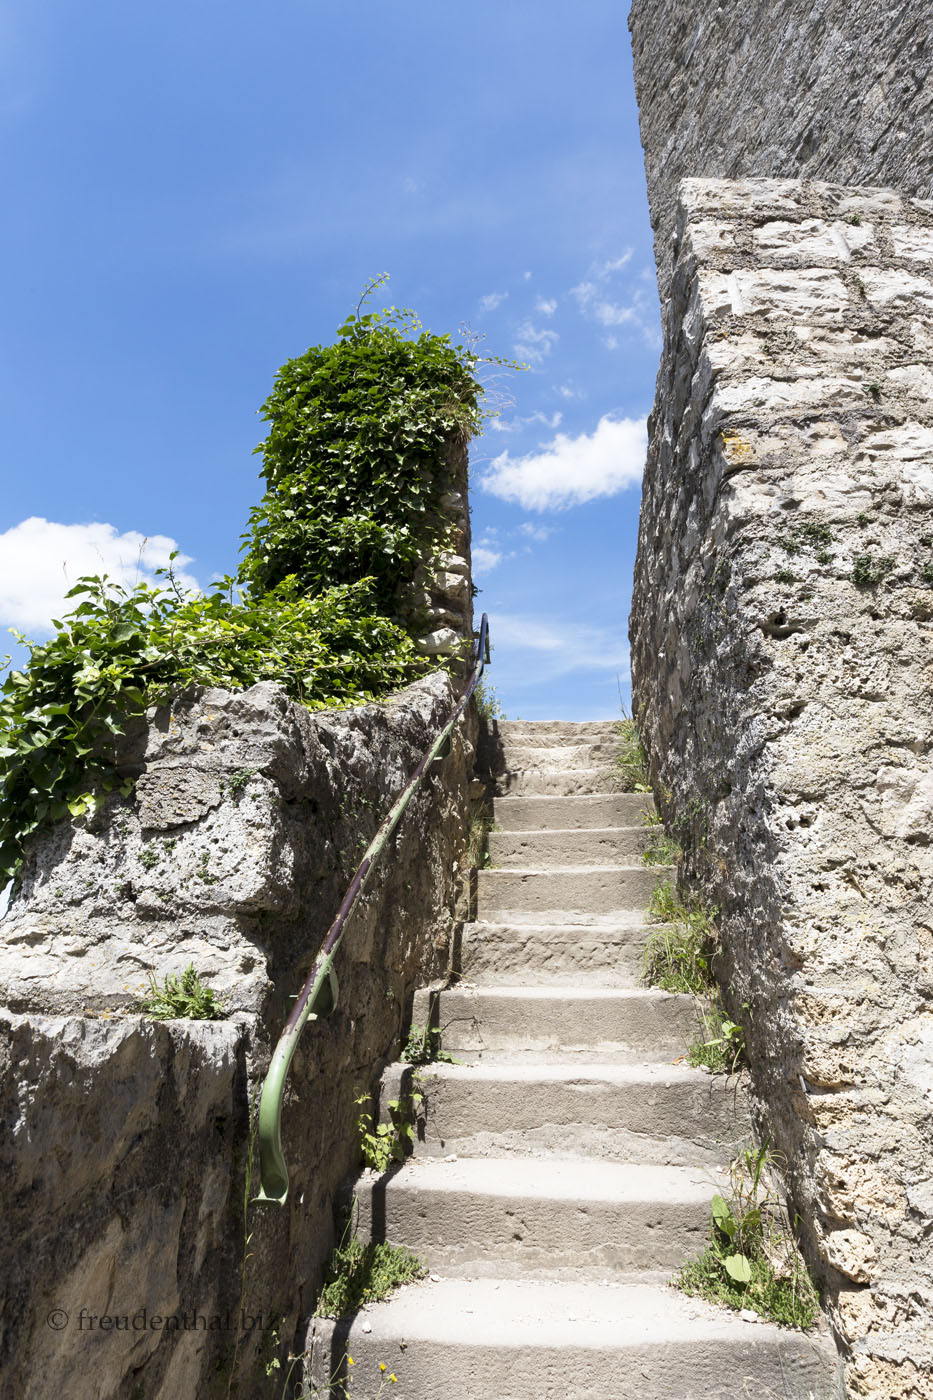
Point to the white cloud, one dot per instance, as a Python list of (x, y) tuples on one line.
[(526, 276), (584, 293), (608, 314), (533, 344), (606, 269), (40, 560), (526, 645), (536, 532), (547, 308), (572, 470), (492, 300), (484, 560), (594, 297), (514, 425)]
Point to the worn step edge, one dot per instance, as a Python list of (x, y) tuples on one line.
[(573, 811), (578, 1108), (493, 1216), (518, 1339), (530, 1020)]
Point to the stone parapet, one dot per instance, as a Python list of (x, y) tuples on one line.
[(782, 631), (126, 1151)]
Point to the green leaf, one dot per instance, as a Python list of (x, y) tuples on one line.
[(738, 1267), (723, 1218)]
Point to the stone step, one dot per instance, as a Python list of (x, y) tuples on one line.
[(556, 758), (479, 1217), (509, 895), (550, 733), (487, 1339), (583, 812), (621, 1113), (540, 782), (612, 845), (615, 1025), (568, 953)]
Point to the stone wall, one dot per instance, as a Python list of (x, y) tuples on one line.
[(125, 1145), (782, 630), (824, 89), (442, 597)]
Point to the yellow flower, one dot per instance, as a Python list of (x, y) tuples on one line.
[(382, 1365), (350, 1361), (393, 1379)]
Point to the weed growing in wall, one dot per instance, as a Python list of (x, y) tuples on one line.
[(181, 998), (359, 1273), (868, 570)]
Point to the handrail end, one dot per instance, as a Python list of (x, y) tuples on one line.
[(273, 1183)]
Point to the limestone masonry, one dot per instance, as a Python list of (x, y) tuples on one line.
[(124, 1155), (822, 89), (782, 658)]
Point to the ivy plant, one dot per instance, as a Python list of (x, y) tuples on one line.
[(356, 464), (354, 457), (63, 719)]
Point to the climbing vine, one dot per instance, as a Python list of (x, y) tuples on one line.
[(355, 465), (354, 456)]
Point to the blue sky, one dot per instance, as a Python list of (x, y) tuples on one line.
[(196, 191)]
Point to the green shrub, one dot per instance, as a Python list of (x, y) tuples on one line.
[(63, 717)]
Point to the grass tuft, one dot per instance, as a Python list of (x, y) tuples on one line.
[(360, 1273), (678, 956), (631, 764)]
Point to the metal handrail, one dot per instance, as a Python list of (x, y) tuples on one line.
[(318, 996)]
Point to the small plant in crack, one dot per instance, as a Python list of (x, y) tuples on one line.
[(720, 1044), (752, 1260), (423, 1047), (237, 782), (182, 997), (661, 848), (381, 1144), (678, 956), (868, 570)]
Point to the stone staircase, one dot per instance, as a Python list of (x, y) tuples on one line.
[(567, 1164)]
